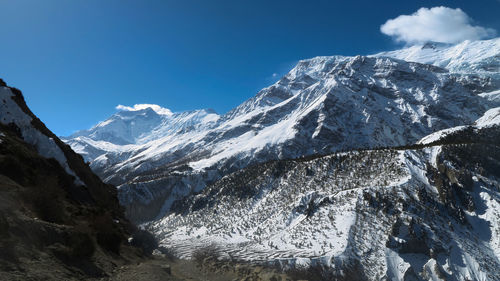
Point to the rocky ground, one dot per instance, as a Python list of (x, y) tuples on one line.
[(165, 269)]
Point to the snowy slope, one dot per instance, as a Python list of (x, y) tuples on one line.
[(417, 214), (478, 57), (491, 118)]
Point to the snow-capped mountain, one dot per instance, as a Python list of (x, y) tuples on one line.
[(128, 130), (380, 167), (323, 105), (472, 57), (147, 124)]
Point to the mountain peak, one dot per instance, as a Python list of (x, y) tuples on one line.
[(479, 57)]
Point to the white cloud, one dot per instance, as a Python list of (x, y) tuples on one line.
[(438, 24), (275, 75), (136, 107)]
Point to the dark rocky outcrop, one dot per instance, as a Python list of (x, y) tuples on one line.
[(51, 226)]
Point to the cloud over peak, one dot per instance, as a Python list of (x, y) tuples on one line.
[(438, 24), (158, 109)]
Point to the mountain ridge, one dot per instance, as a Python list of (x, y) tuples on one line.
[(311, 108)]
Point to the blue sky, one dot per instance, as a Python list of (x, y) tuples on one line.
[(75, 61)]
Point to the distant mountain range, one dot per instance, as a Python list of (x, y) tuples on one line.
[(323, 105), (385, 165)]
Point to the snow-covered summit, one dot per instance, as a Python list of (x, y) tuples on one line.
[(479, 57), (124, 127), (145, 122)]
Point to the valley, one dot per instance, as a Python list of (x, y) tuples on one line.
[(378, 167)]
